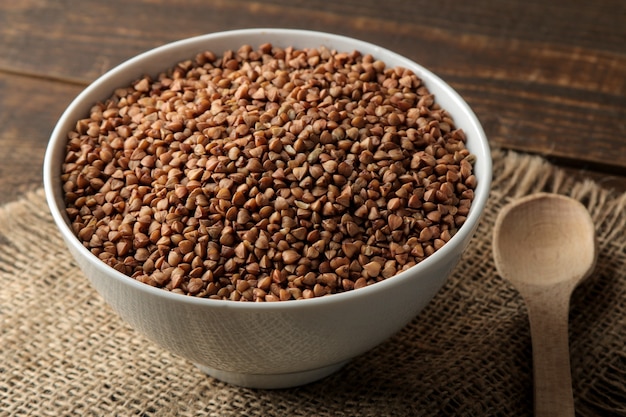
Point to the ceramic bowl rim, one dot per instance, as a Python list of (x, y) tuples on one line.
[(85, 99)]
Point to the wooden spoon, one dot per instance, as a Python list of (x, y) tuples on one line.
[(544, 244)]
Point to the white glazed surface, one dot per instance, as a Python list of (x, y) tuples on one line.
[(267, 345)]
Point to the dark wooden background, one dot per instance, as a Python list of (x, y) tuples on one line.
[(543, 76)]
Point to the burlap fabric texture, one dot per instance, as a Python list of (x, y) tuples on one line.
[(65, 353)]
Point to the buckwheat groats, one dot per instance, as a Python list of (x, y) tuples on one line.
[(268, 175)]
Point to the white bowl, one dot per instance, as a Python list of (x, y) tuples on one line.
[(279, 344)]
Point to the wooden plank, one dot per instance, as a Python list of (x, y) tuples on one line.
[(29, 109), (94, 36), (571, 126)]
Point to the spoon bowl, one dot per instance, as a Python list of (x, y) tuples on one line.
[(544, 239), (544, 245)]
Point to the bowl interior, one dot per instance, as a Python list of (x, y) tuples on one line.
[(159, 59)]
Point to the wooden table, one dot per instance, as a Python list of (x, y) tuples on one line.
[(546, 77)]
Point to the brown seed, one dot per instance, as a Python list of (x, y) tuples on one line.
[(290, 257), (264, 283), (395, 221), (360, 283), (371, 269), (281, 203), (350, 249), (186, 246), (394, 204), (123, 247), (174, 258), (389, 269), (330, 166), (242, 285), (319, 290), (176, 277), (425, 235), (434, 216), (195, 285), (241, 251)]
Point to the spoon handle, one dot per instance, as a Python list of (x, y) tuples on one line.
[(548, 310)]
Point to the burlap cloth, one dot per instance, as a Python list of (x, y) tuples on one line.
[(64, 352)]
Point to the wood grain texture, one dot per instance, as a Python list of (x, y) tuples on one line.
[(30, 108), (543, 77), (544, 244)]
